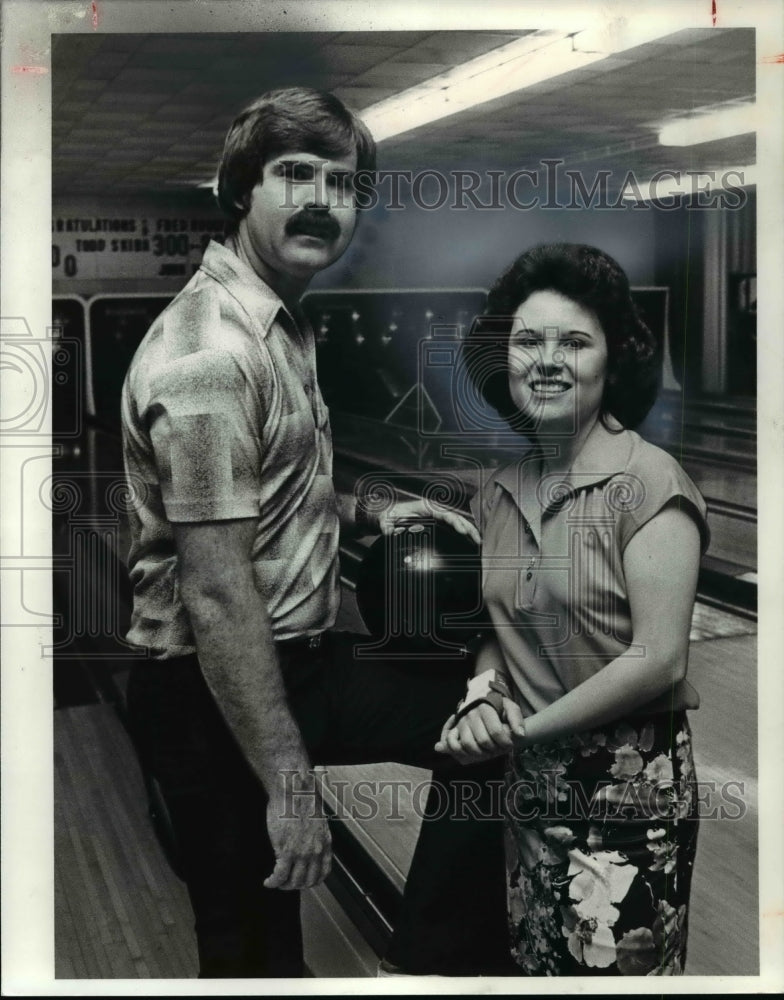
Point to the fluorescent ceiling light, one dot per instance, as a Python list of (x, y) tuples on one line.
[(538, 56), (691, 183), (192, 182), (708, 125), (502, 71)]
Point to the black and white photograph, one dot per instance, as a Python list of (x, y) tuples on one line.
[(391, 443)]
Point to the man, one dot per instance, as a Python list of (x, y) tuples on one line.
[(234, 549)]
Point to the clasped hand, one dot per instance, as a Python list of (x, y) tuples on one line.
[(482, 733)]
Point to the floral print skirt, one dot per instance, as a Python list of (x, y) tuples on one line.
[(601, 832)]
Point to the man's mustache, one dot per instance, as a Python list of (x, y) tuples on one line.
[(307, 223)]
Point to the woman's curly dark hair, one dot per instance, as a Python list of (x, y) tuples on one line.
[(593, 279)]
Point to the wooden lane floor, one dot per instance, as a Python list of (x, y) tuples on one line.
[(121, 913), (724, 929), (724, 932)]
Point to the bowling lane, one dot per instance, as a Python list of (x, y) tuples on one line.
[(120, 911), (724, 937)]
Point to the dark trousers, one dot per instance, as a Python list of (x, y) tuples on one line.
[(349, 711)]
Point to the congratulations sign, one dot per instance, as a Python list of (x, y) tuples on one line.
[(131, 246)]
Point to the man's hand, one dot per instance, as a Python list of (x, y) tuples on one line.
[(408, 510), (239, 661), (299, 835), (481, 734)]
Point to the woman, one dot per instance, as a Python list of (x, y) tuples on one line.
[(591, 545)]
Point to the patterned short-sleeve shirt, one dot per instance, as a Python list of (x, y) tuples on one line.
[(222, 419), (552, 559)]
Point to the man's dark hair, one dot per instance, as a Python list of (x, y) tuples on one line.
[(595, 281), (294, 119)]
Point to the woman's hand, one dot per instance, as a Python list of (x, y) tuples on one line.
[(408, 510), (482, 734), (354, 516)]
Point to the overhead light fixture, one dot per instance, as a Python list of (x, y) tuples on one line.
[(198, 182), (691, 183), (709, 125), (538, 56), (521, 63), (541, 55)]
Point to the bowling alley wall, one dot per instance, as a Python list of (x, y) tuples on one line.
[(701, 259), (117, 262), (156, 244)]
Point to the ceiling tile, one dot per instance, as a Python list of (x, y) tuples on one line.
[(121, 120), (180, 111), (111, 97), (383, 39), (458, 46), (156, 127), (355, 59), (398, 75), (161, 80), (75, 108), (104, 67), (87, 87), (362, 97), (121, 100)]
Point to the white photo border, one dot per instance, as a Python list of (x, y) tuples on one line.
[(28, 924)]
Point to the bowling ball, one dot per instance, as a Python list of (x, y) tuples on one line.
[(421, 588)]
